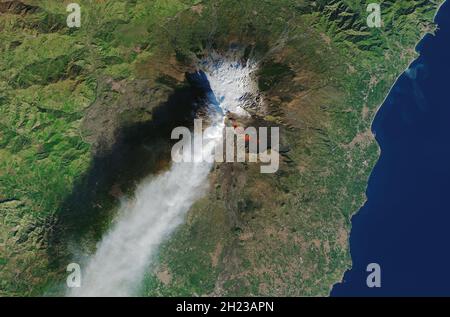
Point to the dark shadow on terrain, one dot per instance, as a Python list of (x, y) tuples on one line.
[(140, 150)]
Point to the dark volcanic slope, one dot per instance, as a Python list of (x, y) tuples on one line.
[(68, 93)]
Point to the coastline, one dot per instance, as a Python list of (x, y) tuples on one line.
[(409, 64), (374, 115)]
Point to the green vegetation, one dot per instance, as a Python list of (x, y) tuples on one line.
[(64, 94)]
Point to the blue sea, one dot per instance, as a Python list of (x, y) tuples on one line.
[(405, 224)]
